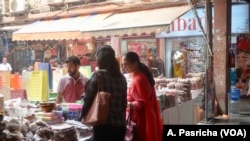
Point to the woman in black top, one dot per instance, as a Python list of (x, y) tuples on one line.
[(115, 84)]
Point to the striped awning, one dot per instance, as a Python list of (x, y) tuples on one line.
[(102, 25), (59, 29), (12, 27), (137, 22)]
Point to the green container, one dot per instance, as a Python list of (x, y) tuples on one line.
[(52, 96), (79, 102)]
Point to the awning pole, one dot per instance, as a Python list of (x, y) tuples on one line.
[(209, 85)]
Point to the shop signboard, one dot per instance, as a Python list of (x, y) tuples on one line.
[(79, 50), (187, 25)]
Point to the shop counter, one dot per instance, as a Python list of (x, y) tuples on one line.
[(180, 114), (232, 120)]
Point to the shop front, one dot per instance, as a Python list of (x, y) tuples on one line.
[(134, 30), (185, 47), (186, 37), (54, 39), (140, 44), (123, 30), (26, 53)]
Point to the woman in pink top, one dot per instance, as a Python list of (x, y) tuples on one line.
[(141, 96)]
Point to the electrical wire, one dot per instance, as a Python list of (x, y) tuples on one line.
[(201, 27)]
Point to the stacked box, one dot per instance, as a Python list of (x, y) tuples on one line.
[(5, 76), (38, 86)]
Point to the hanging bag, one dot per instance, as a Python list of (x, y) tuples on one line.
[(98, 112), (132, 130)]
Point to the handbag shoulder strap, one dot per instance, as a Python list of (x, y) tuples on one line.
[(100, 81), (131, 111), (130, 114)]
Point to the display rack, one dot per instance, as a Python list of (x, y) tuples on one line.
[(195, 58)]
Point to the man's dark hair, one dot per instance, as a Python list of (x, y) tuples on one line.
[(74, 59)]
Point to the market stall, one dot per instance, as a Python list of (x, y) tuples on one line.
[(177, 96), (31, 114), (24, 120)]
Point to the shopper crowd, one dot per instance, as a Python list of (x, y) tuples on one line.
[(140, 94)]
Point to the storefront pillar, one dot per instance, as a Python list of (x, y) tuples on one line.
[(162, 48), (221, 45)]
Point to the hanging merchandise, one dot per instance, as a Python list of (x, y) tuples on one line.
[(6, 42), (193, 54), (231, 62), (135, 47), (231, 59), (233, 76), (177, 61), (54, 51), (196, 58), (243, 63), (47, 55)]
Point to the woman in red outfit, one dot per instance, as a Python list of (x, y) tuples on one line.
[(142, 96)]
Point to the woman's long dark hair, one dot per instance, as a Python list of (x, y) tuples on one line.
[(132, 57), (105, 56)]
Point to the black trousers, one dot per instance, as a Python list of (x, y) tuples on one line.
[(108, 133)]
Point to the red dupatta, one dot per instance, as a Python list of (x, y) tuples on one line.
[(146, 108)]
